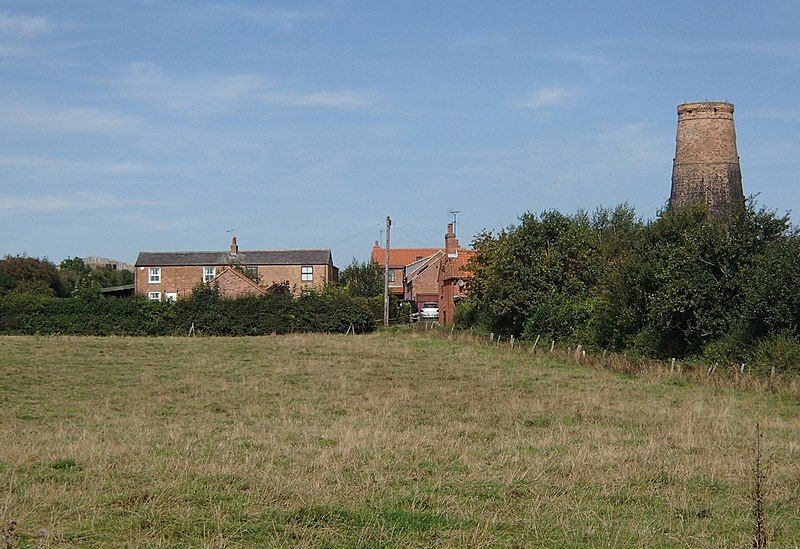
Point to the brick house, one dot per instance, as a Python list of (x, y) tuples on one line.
[(399, 259), (453, 276), (422, 279), (173, 275)]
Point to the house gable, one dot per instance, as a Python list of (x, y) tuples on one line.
[(234, 283)]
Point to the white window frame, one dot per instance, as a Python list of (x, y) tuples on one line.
[(391, 275), (208, 277), (154, 296), (309, 274), (170, 297), (154, 275)]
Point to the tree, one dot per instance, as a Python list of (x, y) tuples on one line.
[(75, 275), (681, 287), (29, 275), (362, 279), (80, 279), (541, 275)]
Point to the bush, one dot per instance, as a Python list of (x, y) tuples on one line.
[(205, 309), (682, 285), (780, 351), (557, 316)]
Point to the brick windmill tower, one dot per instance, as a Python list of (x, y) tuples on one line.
[(706, 165)]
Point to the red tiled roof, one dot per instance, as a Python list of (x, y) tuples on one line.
[(455, 267), (400, 257)]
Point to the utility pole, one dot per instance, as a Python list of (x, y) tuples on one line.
[(386, 273)]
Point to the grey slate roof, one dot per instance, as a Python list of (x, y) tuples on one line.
[(245, 257)]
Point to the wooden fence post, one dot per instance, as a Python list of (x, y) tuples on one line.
[(535, 343)]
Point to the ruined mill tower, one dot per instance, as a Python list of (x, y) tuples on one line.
[(706, 165)]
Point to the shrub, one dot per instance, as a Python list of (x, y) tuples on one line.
[(780, 351), (205, 309), (557, 316)]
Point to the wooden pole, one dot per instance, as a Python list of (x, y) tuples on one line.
[(386, 273)]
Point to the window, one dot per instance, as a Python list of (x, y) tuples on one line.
[(154, 296), (170, 297), (306, 273), (251, 271), (209, 273), (155, 276), (391, 275)]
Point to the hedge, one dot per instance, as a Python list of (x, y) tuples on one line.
[(275, 313)]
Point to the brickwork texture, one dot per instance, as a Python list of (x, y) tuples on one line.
[(706, 165)]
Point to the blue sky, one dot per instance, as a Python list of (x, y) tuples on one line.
[(157, 125)]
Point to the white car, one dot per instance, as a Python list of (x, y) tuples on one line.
[(429, 311)]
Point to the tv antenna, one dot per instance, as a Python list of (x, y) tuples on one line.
[(454, 213)]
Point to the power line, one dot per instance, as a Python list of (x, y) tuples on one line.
[(353, 235)]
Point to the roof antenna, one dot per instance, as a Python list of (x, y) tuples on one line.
[(454, 213), (234, 244)]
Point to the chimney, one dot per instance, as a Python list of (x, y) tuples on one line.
[(450, 242), (234, 246), (377, 244)]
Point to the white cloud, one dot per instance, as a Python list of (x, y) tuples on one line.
[(485, 41), (24, 25), (199, 93), (209, 94), (7, 52), (49, 164), (284, 19), (66, 119), (342, 99), (151, 224), (777, 49), (574, 57), (53, 203), (547, 97)]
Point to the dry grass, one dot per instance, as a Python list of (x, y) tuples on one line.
[(385, 439)]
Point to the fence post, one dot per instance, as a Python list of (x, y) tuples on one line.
[(535, 343)]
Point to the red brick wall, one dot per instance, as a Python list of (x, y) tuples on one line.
[(183, 279), (425, 284), (232, 284)]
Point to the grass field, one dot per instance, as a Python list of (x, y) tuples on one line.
[(385, 439)]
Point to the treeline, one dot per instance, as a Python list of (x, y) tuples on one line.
[(681, 286), (38, 297), (23, 275), (332, 310)]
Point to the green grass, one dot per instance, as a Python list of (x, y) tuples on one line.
[(388, 439)]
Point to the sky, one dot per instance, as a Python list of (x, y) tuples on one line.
[(160, 125)]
